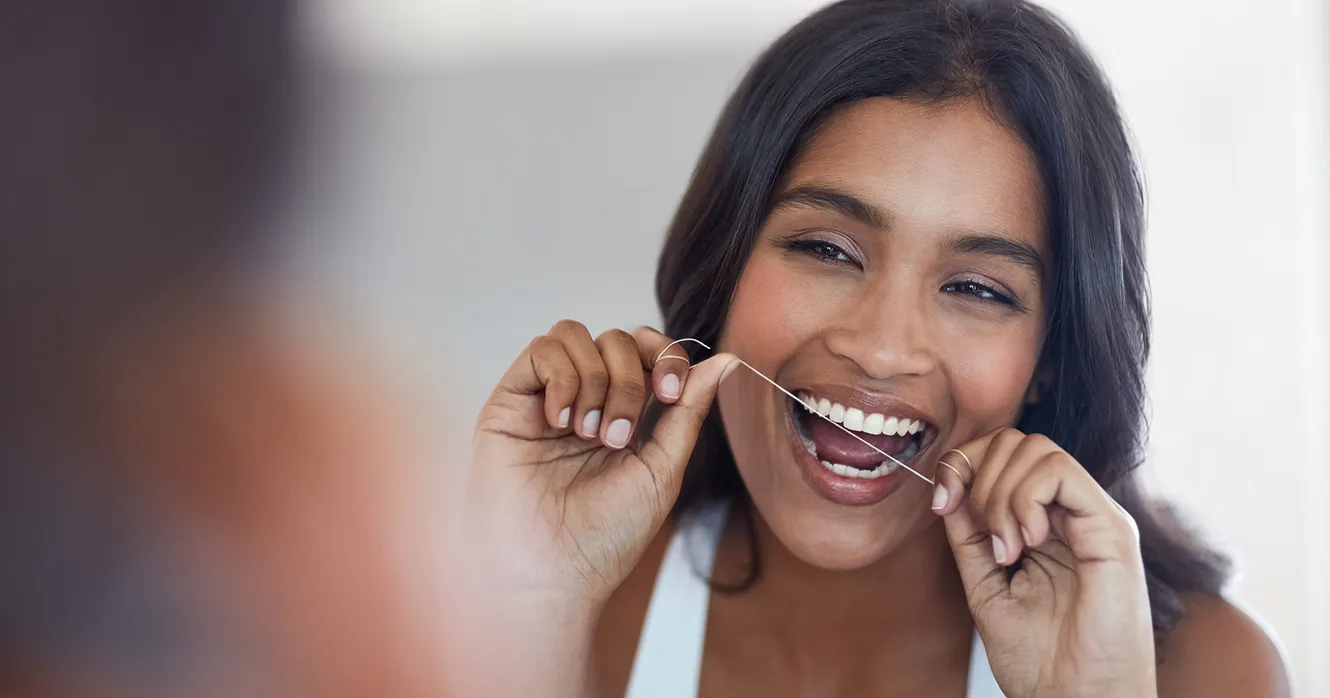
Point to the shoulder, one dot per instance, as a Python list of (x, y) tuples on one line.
[(1218, 650), (620, 626)]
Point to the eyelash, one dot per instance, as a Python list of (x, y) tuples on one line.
[(821, 250), (982, 292), (833, 254)]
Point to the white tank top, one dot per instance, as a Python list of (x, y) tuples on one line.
[(669, 654)]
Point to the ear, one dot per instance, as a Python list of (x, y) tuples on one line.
[(1039, 383)]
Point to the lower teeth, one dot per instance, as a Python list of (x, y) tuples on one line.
[(882, 470)]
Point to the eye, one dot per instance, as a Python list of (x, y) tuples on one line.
[(980, 291), (820, 249)]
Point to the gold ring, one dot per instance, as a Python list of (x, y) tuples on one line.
[(672, 356), (953, 468)]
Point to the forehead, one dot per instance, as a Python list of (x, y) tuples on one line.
[(929, 166)]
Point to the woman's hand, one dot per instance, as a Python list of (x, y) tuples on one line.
[(561, 505), (1071, 619)]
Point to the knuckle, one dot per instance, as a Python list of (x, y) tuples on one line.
[(696, 414), (978, 539), (1044, 468), (1027, 508), (615, 336), (633, 389), (568, 328), (597, 379), (979, 501), (565, 383), (1040, 440), (617, 340), (1126, 523)]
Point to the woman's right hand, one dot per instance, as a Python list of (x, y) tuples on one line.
[(561, 506)]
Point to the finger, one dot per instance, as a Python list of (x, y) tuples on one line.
[(592, 374), (956, 471), (627, 393), (1078, 510), (950, 478), (982, 577), (1029, 499), (675, 434), (669, 372), (997, 450), (997, 507), (544, 366)]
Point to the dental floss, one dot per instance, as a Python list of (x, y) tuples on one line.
[(662, 355)]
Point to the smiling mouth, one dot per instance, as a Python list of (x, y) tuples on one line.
[(900, 436)]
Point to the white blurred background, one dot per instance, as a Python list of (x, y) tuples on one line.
[(496, 165)]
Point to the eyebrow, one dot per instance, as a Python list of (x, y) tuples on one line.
[(1002, 247), (833, 200)]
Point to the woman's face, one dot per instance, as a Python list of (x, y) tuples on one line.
[(898, 285)]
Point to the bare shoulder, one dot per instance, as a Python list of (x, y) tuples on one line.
[(620, 623), (1217, 650)]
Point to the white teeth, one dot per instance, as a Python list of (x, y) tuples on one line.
[(882, 470), (810, 403), (837, 412), (855, 419)]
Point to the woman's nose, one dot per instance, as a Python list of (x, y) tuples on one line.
[(885, 337)]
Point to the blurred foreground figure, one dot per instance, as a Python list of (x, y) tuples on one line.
[(199, 494)]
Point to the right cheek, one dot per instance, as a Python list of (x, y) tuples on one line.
[(988, 393)]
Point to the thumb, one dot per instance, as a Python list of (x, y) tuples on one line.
[(675, 433), (972, 546)]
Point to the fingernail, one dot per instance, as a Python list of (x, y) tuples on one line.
[(563, 417), (999, 550), (1025, 536), (939, 497), (591, 424), (669, 386), (728, 370), (617, 435)]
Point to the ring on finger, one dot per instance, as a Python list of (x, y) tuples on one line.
[(952, 468)]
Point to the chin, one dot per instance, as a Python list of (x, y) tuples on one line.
[(834, 541)]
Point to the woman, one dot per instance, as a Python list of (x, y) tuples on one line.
[(924, 219)]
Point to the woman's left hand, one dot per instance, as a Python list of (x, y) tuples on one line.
[(1052, 570)]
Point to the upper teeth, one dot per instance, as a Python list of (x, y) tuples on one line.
[(855, 419)]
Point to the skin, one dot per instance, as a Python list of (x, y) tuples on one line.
[(879, 599)]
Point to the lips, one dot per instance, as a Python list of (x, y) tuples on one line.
[(850, 468)]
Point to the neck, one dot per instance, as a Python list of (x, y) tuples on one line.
[(908, 606)]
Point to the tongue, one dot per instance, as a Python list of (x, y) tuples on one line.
[(836, 446)]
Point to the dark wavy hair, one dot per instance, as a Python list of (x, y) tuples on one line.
[(1036, 78)]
